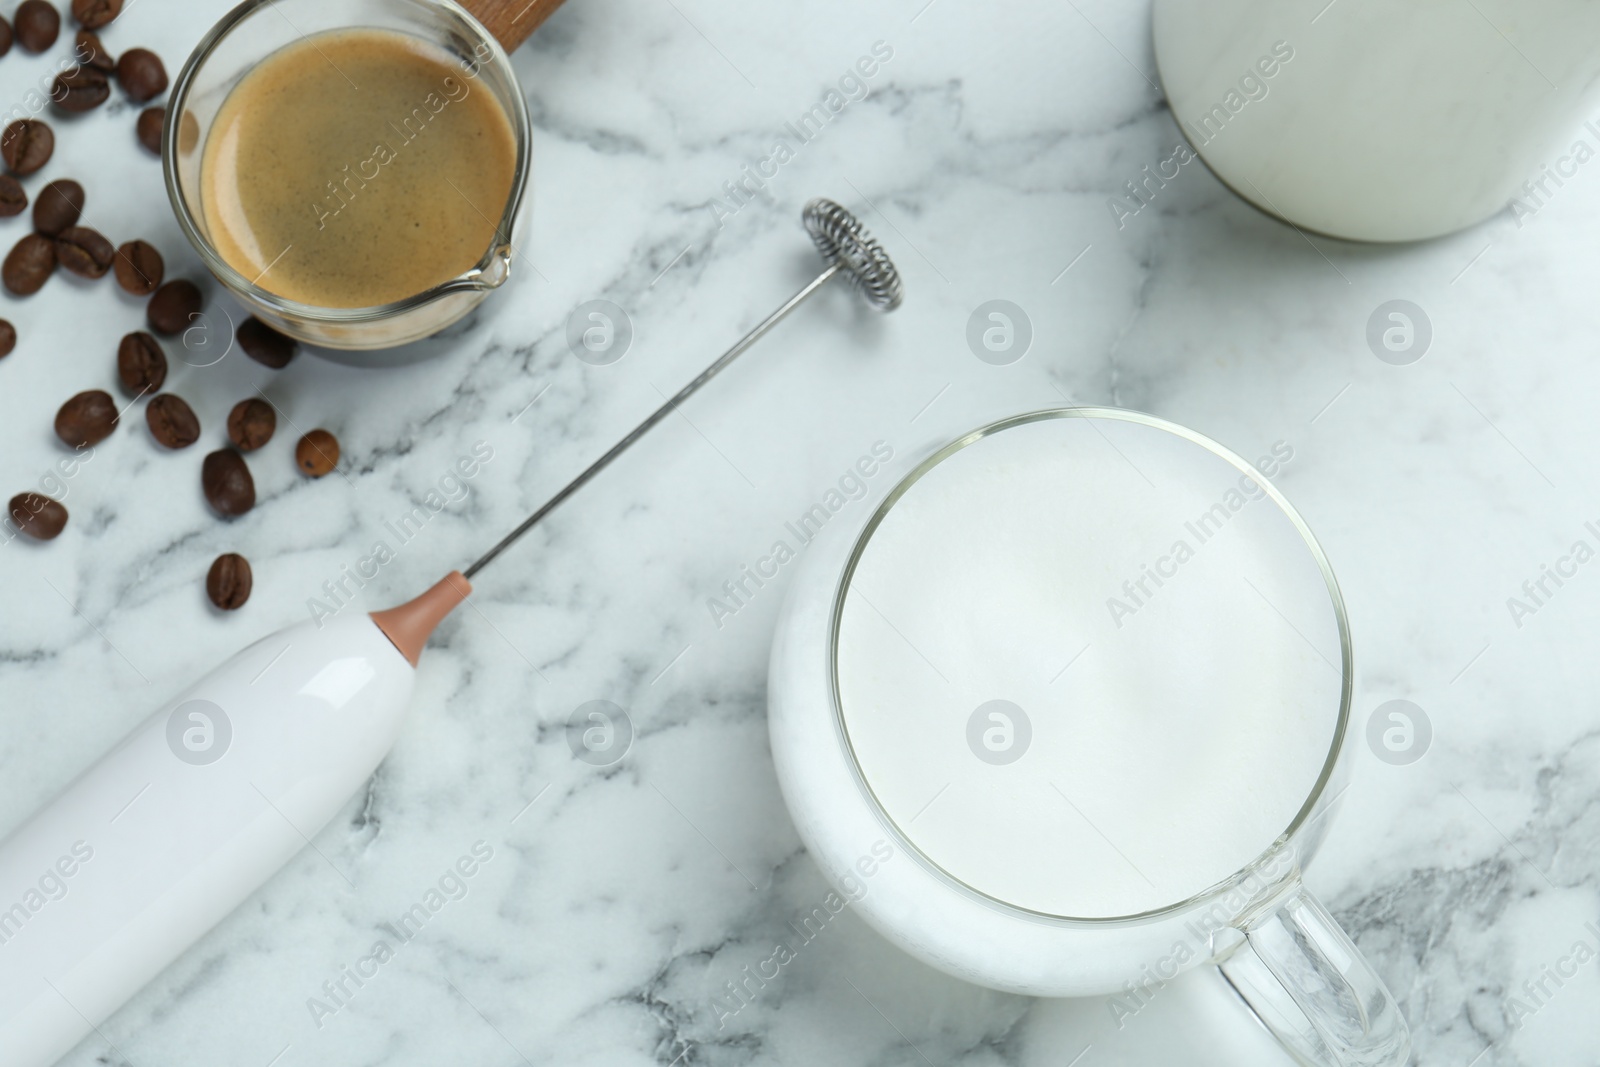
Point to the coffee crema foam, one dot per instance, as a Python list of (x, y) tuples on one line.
[(356, 168)]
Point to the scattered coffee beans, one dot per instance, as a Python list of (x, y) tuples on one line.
[(91, 52), (38, 25), (60, 205), (227, 483), (149, 127), (29, 265), (83, 88), (251, 424), (27, 145), (86, 419), (85, 252), (142, 75), (92, 14), (172, 421), (174, 307), (264, 344), (139, 268), (141, 364), (229, 581), (13, 197), (317, 453), (38, 516)]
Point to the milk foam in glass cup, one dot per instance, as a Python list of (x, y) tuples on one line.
[(258, 28), (1063, 714), (1384, 121)]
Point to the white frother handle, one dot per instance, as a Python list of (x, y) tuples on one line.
[(176, 826)]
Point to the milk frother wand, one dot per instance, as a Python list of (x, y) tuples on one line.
[(205, 800)]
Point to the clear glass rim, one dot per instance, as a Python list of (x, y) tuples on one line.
[(1301, 817), (470, 281)]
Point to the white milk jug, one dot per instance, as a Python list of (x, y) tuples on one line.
[(1380, 120)]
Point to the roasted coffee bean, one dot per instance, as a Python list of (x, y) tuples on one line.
[(29, 265), (173, 422), (85, 252), (229, 581), (86, 419), (92, 14), (59, 205), (174, 307), (251, 424), (227, 482), (317, 453), (264, 344), (141, 364), (142, 75), (81, 89), (149, 127), (139, 268), (13, 197), (90, 51), (27, 145), (6, 36), (38, 516), (8, 338), (38, 25)]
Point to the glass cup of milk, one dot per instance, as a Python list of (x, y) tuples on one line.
[(1064, 716), (1384, 121)]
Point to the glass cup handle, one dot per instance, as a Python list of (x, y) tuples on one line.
[(1306, 981)]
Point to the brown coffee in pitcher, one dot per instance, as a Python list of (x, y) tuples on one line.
[(356, 168)]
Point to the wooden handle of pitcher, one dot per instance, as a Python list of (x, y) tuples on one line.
[(511, 21)]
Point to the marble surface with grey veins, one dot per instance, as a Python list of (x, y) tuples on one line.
[(619, 900)]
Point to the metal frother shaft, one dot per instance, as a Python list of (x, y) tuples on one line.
[(845, 245)]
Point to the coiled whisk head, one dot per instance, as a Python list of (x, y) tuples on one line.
[(841, 239)]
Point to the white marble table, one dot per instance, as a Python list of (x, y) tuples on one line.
[(619, 900)]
